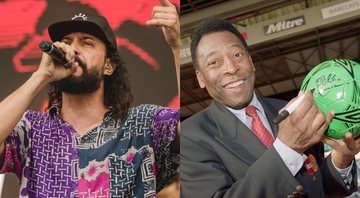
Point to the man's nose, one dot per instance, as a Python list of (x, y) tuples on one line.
[(75, 46), (230, 66)]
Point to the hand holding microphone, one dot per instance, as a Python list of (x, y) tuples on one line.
[(56, 54)]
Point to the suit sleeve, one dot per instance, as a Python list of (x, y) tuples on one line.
[(204, 175)]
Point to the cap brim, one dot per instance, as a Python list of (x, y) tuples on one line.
[(58, 30)]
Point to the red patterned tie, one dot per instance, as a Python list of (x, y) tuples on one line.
[(258, 127)]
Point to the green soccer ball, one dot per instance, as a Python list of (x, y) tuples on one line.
[(335, 85)]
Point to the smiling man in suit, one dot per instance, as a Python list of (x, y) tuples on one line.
[(231, 149)]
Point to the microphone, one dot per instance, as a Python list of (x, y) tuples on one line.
[(55, 53)]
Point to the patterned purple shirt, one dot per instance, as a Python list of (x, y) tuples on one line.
[(124, 158)]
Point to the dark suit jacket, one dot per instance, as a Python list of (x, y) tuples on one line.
[(221, 157)]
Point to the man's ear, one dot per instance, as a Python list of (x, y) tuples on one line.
[(200, 78), (109, 67), (252, 64)]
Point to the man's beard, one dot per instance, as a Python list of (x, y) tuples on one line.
[(88, 82)]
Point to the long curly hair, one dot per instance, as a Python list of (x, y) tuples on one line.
[(117, 93)]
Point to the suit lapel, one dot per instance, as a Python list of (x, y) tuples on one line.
[(235, 135)]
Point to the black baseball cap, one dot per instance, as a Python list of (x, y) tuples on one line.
[(95, 25)]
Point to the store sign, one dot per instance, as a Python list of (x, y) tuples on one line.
[(284, 25), (340, 8)]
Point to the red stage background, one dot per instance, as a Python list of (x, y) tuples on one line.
[(148, 58)]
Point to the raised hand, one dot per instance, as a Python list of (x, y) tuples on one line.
[(166, 17)]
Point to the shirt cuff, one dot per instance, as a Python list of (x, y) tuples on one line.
[(292, 159), (345, 173)]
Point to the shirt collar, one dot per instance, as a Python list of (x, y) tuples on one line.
[(240, 113)]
